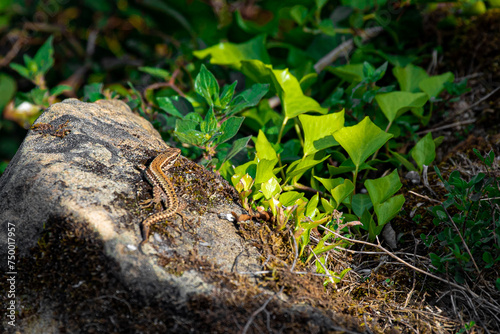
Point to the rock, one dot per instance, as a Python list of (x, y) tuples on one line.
[(70, 199)]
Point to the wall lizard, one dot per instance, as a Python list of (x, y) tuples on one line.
[(163, 190)]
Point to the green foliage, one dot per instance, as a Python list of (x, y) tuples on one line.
[(313, 131), (218, 126), (470, 225)]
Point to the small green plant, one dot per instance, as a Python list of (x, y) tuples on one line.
[(34, 69), (219, 124), (470, 221)]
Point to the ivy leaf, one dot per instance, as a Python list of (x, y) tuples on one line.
[(265, 170), (434, 85), (352, 73), (382, 188), (232, 54), (270, 188), (409, 77), (288, 198), (424, 151), (361, 140), (287, 87), (299, 167), (394, 104), (318, 131), (264, 148)]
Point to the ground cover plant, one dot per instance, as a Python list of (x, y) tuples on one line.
[(324, 115)]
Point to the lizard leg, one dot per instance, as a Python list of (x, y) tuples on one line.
[(157, 198)]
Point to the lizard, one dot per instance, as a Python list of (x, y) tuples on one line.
[(163, 190)]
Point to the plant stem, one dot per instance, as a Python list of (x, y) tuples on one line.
[(280, 135)]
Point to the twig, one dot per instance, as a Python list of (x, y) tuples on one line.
[(453, 125), (423, 196), (257, 311), (459, 113), (379, 246), (347, 46), (323, 266)]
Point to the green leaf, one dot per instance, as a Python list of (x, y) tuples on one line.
[(288, 198), (299, 14), (264, 148), (227, 94), (327, 27), (394, 104), (23, 71), (352, 73), (270, 188), (232, 54), (92, 92), (342, 191), (361, 140), (156, 72), (237, 146), (206, 85), (58, 90), (360, 203), (327, 205), (318, 131), (312, 205), (177, 106), (389, 209), (185, 130), (229, 129), (301, 166), (487, 257), (401, 159), (330, 184), (287, 87), (39, 96), (209, 125), (248, 98), (382, 188), (265, 170), (44, 58), (409, 77), (8, 88), (424, 151), (434, 85)]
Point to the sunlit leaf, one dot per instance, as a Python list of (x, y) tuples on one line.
[(270, 188), (361, 140), (318, 131), (287, 87), (264, 148), (394, 104), (232, 54), (206, 85)]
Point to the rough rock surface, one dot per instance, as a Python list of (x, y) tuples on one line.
[(74, 202)]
